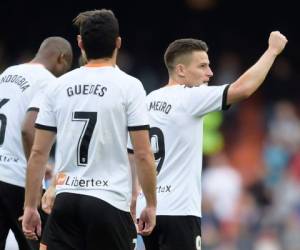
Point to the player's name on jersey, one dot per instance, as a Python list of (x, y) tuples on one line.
[(16, 79), (4, 158), (87, 89), (160, 106)]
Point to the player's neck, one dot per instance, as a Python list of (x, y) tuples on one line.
[(103, 62), (173, 81), (38, 61)]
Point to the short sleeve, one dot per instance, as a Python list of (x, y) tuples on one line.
[(46, 118), (137, 117), (36, 102), (38, 97), (201, 100)]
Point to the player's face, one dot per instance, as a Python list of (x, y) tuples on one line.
[(197, 70)]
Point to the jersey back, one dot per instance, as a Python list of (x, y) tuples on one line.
[(92, 109), (176, 130), (18, 86)]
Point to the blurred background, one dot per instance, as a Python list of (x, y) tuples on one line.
[(251, 177)]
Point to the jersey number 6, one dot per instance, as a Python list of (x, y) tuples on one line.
[(3, 121)]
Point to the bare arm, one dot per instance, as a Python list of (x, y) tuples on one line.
[(136, 188), (248, 83), (145, 164), (31, 222), (146, 173), (37, 166), (28, 131)]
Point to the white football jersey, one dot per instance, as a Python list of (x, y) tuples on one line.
[(92, 109), (18, 85), (176, 130)]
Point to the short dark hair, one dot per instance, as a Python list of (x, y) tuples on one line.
[(99, 30), (180, 48)]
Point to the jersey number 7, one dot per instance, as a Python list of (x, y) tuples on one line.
[(89, 119)]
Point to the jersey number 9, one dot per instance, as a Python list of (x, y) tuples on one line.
[(158, 146)]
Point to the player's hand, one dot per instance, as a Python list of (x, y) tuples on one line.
[(277, 42), (31, 223), (48, 199), (147, 221)]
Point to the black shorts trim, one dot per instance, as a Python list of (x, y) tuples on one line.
[(33, 109), (49, 128), (224, 99), (136, 128)]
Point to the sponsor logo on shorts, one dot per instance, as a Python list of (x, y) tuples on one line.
[(198, 242)]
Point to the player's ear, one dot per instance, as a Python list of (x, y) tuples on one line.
[(61, 58), (80, 45), (79, 42), (180, 70), (62, 64), (118, 42)]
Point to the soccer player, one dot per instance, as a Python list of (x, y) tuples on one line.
[(18, 86), (90, 110), (176, 126)]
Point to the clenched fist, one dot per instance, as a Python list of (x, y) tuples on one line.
[(277, 42)]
